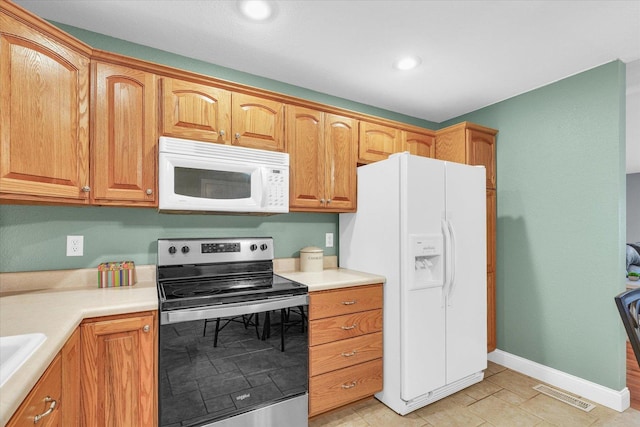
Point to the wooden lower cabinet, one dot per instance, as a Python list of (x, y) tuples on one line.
[(54, 400), (345, 346), (44, 400), (119, 362)]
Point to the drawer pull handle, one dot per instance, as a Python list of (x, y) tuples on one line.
[(348, 302), (348, 328), (347, 386), (48, 411), (353, 353)]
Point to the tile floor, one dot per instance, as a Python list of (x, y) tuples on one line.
[(504, 398)]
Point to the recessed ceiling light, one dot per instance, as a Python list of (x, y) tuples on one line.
[(258, 10), (407, 63)]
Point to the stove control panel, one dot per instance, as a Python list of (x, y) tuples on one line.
[(209, 248), (214, 250)]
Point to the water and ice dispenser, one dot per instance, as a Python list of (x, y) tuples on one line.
[(428, 261)]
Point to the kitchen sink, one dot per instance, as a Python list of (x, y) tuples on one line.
[(15, 350)]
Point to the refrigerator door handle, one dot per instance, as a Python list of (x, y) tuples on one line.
[(447, 260), (452, 262)]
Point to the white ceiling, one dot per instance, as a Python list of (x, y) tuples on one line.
[(474, 53)]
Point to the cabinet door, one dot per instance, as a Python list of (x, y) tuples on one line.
[(377, 142), (258, 122), (481, 151), (420, 144), (450, 144), (44, 117), (341, 141), (43, 401), (71, 362), (118, 371), (124, 136), (306, 158), (195, 111)]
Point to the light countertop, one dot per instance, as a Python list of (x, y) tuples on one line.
[(332, 278), (56, 313), (55, 303)]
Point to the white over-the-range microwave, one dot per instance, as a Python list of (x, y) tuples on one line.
[(207, 177)]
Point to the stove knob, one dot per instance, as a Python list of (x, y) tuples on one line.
[(253, 247), (263, 246), (172, 250), (185, 249)]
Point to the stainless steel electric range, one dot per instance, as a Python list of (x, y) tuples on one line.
[(233, 336)]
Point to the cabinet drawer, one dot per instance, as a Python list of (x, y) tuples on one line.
[(340, 354), (344, 386), (40, 399), (344, 301), (337, 328)]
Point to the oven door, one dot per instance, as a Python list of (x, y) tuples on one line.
[(235, 364)]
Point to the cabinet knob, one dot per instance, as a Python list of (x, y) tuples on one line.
[(222, 132), (237, 135), (149, 191), (146, 328), (328, 201), (321, 200), (86, 188), (52, 406), (347, 386)]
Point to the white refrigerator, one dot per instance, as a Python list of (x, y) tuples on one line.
[(421, 223)]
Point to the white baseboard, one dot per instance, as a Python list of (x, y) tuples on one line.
[(617, 400)]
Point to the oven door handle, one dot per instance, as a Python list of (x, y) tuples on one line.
[(234, 309)]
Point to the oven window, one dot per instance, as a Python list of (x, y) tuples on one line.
[(212, 184), (216, 368)]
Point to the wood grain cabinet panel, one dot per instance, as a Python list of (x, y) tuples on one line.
[(43, 401), (124, 136), (335, 328), (257, 122), (337, 388), (345, 346), (343, 353), (377, 142), (195, 111), (322, 151), (119, 370), (344, 301), (420, 144), (44, 116)]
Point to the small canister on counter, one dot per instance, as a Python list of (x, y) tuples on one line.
[(311, 259)]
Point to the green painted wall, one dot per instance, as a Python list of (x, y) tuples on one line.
[(561, 221), (157, 56), (34, 237)]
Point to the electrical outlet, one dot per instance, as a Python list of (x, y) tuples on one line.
[(75, 245), (328, 240)]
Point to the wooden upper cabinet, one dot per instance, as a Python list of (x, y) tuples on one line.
[(471, 144), (322, 150), (377, 142), (257, 122), (119, 370), (44, 115), (123, 161), (305, 136), (481, 147), (195, 111), (341, 145), (420, 144)]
